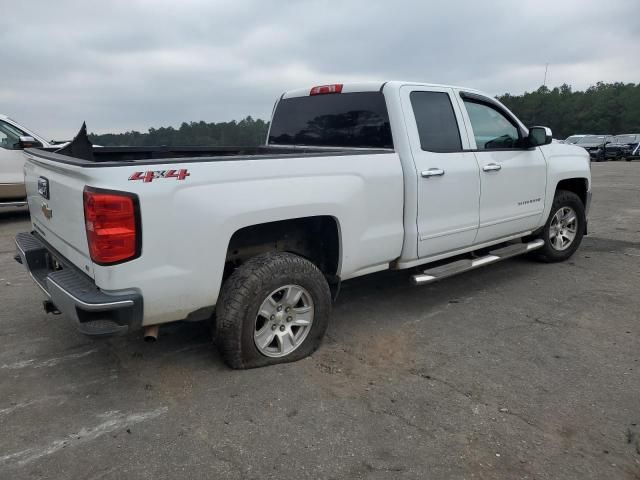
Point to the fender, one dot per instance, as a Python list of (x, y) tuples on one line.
[(564, 162)]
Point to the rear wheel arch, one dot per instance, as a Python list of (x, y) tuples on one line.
[(316, 238)]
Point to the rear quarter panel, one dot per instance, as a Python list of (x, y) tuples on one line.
[(187, 225)]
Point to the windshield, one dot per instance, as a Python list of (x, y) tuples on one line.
[(592, 139), (625, 139), (333, 120), (572, 139)]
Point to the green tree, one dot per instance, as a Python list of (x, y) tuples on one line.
[(247, 132), (604, 108)]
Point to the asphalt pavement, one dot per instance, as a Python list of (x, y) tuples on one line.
[(519, 370)]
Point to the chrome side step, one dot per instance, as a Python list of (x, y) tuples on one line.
[(459, 266)]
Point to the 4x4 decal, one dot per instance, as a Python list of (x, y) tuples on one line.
[(151, 175)]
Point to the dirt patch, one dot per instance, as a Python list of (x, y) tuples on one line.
[(353, 368)]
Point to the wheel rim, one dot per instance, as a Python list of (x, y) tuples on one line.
[(563, 228), (283, 321)]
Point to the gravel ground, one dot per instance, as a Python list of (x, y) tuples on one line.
[(517, 370)]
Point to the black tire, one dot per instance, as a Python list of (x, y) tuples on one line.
[(242, 295), (562, 199)]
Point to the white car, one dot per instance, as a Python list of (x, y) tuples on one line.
[(353, 179), (13, 139)]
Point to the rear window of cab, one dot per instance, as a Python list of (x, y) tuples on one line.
[(356, 120)]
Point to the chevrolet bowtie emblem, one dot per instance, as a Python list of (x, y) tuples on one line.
[(46, 211)]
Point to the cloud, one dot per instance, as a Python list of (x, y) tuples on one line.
[(133, 64)]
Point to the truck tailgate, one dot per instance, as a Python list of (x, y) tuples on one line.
[(54, 194)]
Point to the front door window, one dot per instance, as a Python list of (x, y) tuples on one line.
[(491, 129)]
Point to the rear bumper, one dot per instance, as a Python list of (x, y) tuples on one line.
[(94, 311)]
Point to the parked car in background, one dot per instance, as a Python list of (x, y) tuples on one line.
[(594, 144), (13, 139), (573, 139), (623, 147)]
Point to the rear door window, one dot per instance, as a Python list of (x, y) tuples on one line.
[(436, 122), (358, 120)]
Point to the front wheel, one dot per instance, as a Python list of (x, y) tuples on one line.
[(274, 308), (564, 229)]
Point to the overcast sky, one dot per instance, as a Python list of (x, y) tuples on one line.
[(134, 64)]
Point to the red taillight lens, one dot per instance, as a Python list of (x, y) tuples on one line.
[(324, 89), (112, 224)]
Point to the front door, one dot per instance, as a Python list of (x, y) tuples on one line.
[(448, 177), (513, 177)]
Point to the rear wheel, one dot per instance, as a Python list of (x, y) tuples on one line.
[(273, 309), (564, 229)]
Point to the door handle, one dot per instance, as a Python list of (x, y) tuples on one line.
[(492, 167), (432, 172)]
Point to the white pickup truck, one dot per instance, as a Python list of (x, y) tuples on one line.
[(13, 139), (353, 179)]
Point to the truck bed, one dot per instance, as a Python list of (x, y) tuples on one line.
[(80, 152), (122, 156)]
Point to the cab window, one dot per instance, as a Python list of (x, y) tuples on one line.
[(491, 129), (358, 119), (436, 122)]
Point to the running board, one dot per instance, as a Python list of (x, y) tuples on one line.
[(459, 266)]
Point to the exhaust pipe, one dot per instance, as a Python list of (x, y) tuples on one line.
[(49, 307), (151, 333)]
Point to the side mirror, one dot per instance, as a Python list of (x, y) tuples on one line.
[(27, 141), (539, 136)]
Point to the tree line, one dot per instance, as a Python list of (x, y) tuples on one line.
[(605, 108), (246, 132)]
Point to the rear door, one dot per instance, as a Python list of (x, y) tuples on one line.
[(513, 177), (448, 176)]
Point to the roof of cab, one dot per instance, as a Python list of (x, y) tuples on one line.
[(373, 86)]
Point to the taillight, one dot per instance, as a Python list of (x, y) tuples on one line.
[(112, 221), (324, 89)]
